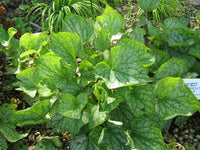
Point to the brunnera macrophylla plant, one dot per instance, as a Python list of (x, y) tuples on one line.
[(120, 93)]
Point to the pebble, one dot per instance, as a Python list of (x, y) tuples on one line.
[(192, 131), (198, 137)]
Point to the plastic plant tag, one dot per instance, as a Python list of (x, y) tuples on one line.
[(194, 85)]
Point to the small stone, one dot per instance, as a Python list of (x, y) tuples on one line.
[(175, 130), (191, 137), (195, 144), (195, 140), (186, 131), (192, 131), (198, 137), (180, 138), (186, 136), (176, 136)]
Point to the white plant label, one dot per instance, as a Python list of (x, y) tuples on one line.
[(194, 85)]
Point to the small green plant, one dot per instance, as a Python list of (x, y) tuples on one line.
[(52, 14)]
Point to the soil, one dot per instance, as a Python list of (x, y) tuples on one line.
[(182, 136)]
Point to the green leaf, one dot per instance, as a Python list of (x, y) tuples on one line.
[(195, 51), (102, 42), (198, 15), (179, 37), (76, 124), (154, 31), (46, 87), (50, 143), (7, 126), (123, 113), (58, 123), (6, 112), (96, 117), (31, 41), (19, 145), (160, 58), (156, 121), (95, 135), (148, 5), (128, 65), (66, 45), (141, 100), (174, 98), (82, 142), (52, 66), (175, 67), (33, 115), (146, 136), (109, 100), (10, 133), (3, 143), (113, 137), (27, 53), (71, 107), (79, 25), (137, 35), (28, 81), (4, 36), (86, 70), (110, 20), (174, 23)]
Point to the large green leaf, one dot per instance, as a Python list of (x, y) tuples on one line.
[(109, 100), (195, 51), (179, 37), (102, 42), (10, 133), (128, 67), (198, 15), (31, 41), (7, 126), (82, 142), (28, 81), (71, 107), (114, 137), (4, 35), (52, 66), (110, 20), (148, 5), (137, 35), (46, 87), (76, 124), (174, 98), (6, 112), (145, 136), (33, 115), (87, 71), (58, 123), (123, 114), (175, 67), (96, 117), (174, 23), (95, 135), (3, 143), (79, 25), (160, 58), (66, 44), (141, 100)]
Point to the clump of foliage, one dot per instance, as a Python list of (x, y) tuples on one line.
[(120, 94), (159, 10), (52, 14)]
